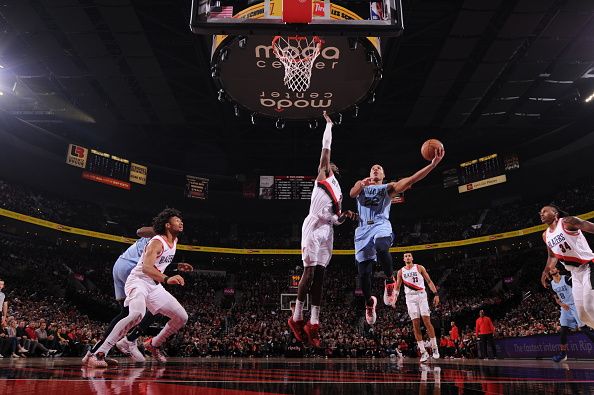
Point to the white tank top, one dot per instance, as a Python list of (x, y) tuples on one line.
[(163, 260), (326, 200), (413, 280), (569, 246)]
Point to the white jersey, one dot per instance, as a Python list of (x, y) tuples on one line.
[(326, 200), (569, 246), (413, 280), (163, 259)]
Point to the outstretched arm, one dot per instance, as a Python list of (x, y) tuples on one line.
[(575, 223), (146, 231), (324, 167), (397, 187)]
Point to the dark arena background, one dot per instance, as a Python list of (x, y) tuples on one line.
[(113, 110)]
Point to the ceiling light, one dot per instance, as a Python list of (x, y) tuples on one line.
[(1, 93), (589, 98), (1, 67)]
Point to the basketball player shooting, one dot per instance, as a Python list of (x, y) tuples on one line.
[(373, 236), (317, 238), (566, 242), (413, 277)]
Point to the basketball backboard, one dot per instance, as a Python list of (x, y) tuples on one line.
[(353, 18)]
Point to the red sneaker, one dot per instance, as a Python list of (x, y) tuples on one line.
[(155, 351), (370, 314), (297, 328), (313, 334), (389, 294)]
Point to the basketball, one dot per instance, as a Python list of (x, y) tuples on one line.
[(429, 147)]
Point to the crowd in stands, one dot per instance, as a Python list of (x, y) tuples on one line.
[(205, 230), (60, 291), (67, 290)]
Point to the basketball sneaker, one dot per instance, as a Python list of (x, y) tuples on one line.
[(111, 362), (370, 315), (155, 351), (424, 357), (97, 361), (313, 334), (435, 354), (298, 329), (86, 357), (562, 356), (389, 293), (130, 349)]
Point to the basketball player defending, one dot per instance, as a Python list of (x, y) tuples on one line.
[(317, 237), (413, 277), (569, 316), (144, 289), (373, 236), (121, 269), (565, 242)]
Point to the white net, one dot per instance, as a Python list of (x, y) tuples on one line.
[(297, 54)]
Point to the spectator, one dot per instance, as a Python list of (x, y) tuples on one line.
[(3, 304), (485, 330)]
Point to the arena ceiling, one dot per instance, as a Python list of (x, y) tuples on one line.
[(128, 76)]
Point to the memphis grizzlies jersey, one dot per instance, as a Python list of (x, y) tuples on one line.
[(134, 252), (563, 290), (373, 204), (163, 259)]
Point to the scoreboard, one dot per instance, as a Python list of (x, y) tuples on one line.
[(286, 187), (105, 168), (294, 280), (479, 173)]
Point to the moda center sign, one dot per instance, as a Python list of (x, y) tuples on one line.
[(249, 74)]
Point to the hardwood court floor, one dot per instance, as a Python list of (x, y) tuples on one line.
[(184, 376)]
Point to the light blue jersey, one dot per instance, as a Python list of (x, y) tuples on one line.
[(124, 265), (374, 230), (563, 290), (373, 204), (568, 318)]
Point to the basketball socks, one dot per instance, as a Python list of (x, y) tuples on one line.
[(421, 345), (433, 344), (123, 314), (298, 313), (315, 315)]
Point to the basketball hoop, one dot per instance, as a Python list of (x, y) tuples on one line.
[(297, 54)]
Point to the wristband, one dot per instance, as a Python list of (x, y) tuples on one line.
[(165, 280)]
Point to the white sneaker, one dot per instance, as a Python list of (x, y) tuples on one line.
[(131, 349), (435, 354), (95, 361), (370, 314), (424, 357)]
